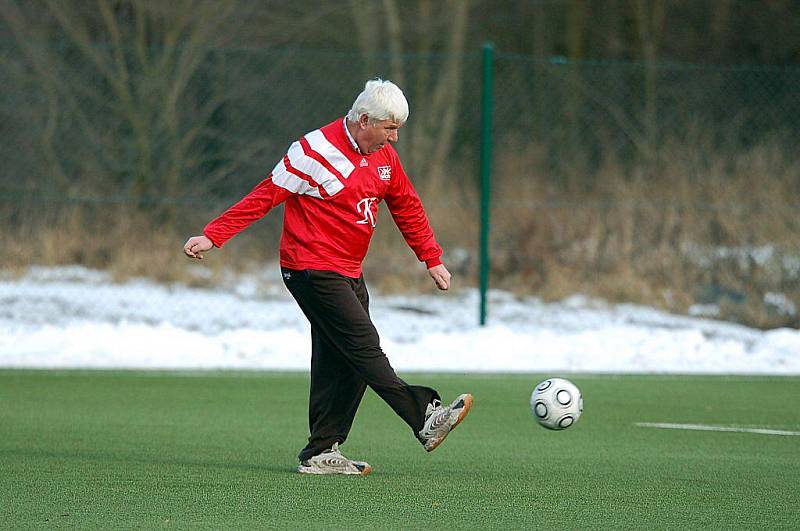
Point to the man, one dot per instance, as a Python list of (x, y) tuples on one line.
[(331, 181)]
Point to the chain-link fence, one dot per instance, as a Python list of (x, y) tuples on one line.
[(687, 176), (639, 181)]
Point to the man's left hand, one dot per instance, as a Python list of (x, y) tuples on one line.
[(441, 276)]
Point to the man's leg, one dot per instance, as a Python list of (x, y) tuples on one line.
[(330, 303), (335, 393)]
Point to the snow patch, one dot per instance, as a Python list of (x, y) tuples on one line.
[(78, 318)]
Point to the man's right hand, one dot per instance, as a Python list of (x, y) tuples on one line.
[(196, 246)]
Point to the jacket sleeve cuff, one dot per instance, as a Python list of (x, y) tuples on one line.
[(217, 243), (433, 262)]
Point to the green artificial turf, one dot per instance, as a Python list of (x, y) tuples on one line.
[(217, 450)]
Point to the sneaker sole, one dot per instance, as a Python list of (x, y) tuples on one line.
[(464, 411), (317, 472)]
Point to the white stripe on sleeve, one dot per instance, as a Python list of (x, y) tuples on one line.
[(312, 167), (285, 179), (322, 145)]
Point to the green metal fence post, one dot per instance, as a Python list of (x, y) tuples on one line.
[(486, 167)]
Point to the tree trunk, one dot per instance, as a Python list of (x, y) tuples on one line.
[(649, 22)]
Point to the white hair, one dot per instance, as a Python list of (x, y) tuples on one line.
[(380, 100)]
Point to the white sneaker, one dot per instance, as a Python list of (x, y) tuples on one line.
[(440, 421), (332, 461)]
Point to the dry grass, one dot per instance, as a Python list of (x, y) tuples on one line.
[(655, 233)]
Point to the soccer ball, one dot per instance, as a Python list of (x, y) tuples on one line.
[(556, 403)]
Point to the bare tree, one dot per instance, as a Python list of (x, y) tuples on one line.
[(366, 25), (576, 34), (395, 38), (650, 24), (436, 93), (132, 89)]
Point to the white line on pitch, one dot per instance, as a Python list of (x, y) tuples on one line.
[(709, 427)]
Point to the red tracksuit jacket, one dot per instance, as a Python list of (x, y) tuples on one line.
[(332, 194)]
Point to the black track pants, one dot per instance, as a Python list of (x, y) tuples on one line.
[(346, 357)]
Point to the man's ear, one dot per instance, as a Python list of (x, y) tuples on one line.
[(363, 121)]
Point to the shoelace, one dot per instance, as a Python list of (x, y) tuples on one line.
[(334, 450), (432, 407)]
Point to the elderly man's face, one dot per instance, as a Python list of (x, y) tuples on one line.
[(373, 136)]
